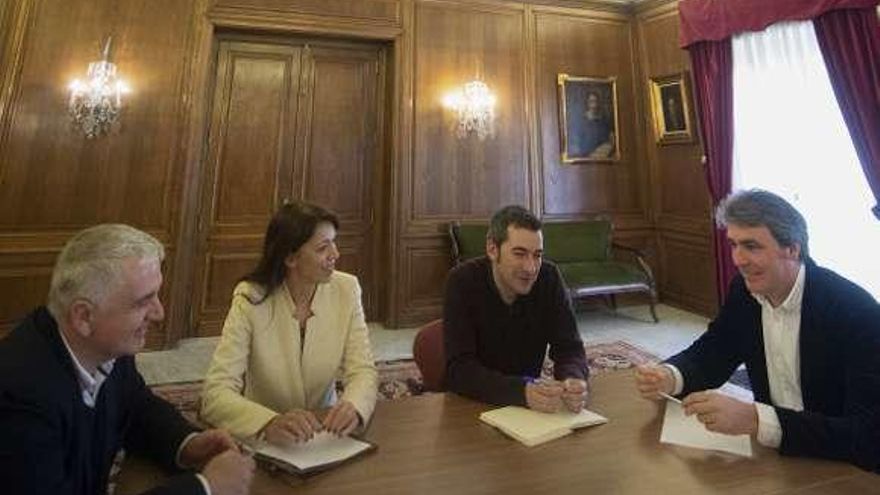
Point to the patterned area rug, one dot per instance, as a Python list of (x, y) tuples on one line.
[(401, 378)]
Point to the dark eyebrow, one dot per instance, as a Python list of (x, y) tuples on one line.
[(746, 242), (522, 250)]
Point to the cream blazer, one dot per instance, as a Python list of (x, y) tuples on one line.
[(258, 370)]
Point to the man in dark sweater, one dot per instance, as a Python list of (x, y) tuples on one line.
[(70, 395), (500, 314), (809, 338)]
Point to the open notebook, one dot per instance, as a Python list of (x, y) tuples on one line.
[(533, 427), (323, 451)]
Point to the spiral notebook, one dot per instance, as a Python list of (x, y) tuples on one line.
[(534, 428)]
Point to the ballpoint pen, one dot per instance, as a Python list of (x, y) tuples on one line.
[(667, 396)]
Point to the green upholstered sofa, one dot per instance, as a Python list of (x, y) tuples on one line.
[(585, 254)]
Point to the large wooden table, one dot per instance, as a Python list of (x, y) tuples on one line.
[(434, 444)]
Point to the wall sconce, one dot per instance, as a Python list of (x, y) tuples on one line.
[(95, 104), (474, 105)]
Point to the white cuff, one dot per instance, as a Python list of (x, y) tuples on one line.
[(769, 429), (180, 451), (205, 484), (677, 378)]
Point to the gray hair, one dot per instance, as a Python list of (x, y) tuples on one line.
[(759, 208), (90, 265)]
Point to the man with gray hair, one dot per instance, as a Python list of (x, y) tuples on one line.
[(70, 395), (808, 337)]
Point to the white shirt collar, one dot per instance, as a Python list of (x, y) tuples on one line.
[(793, 301), (88, 383)]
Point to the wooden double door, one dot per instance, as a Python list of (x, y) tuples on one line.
[(291, 119)]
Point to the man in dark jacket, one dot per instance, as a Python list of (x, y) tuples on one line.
[(501, 313), (70, 395), (809, 338)]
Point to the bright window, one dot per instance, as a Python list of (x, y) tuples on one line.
[(790, 138)]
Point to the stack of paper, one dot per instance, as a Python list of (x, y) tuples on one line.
[(533, 427), (688, 431), (322, 451)]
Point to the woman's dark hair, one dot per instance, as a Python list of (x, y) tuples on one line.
[(291, 227)]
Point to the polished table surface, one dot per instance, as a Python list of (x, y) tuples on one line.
[(435, 443)]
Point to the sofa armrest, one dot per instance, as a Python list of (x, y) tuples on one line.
[(640, 258)]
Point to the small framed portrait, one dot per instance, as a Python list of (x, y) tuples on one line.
[(588, 119), (671, 109)]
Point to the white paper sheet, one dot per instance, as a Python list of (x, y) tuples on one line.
[(323, 448), (684, 430)]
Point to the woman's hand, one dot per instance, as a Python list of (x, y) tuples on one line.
[(342, 418), (292, 427)]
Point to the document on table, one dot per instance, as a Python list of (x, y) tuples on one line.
[(684, 430), (322, 451), (534, 428)]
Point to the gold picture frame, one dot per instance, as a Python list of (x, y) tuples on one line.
[(670, 102), (588, 119)]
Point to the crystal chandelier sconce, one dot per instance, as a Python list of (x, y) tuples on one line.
[(95, 103), (474, 105)]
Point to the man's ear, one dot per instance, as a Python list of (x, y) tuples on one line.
[(79, 317), (794, 251), (491, 249)]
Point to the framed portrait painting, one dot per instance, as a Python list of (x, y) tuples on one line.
[(671, 109), (588, 123)]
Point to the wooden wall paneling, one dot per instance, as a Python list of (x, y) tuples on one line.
[(439, 177), (338, 160), (679, 167), (596, 44), (55, 181), (680, 202), (426, 262), (374, 19), (248, 166), (531, 108), (15, 20), (380, 10), (454, 178), (197, 92), (128, 176), (689, 278), (27, 276), (400, 140)]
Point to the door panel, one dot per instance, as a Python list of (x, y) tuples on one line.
[(290, 119), (338, 152), (248, 167)]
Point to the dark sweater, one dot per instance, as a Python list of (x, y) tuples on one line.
[(839, 371), (492, 348), (52, 443)]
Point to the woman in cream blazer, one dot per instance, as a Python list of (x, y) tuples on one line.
[(273, 375)]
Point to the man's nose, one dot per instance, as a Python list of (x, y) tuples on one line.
[(532, 265), (739, 259), (157, 311)]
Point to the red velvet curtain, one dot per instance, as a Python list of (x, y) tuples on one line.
[(712, 64), (851, 49), (714, 20), (850, 44)]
